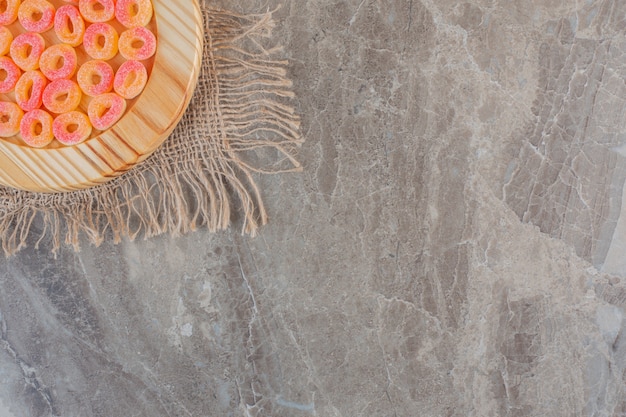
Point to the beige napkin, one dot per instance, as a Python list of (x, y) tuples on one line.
[(203, 174)]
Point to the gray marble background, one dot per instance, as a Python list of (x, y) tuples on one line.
[(454, 247)]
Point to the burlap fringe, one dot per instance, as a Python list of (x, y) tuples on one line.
[(239, 108)]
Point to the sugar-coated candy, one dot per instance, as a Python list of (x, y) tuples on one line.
[(36, 15), (29, 90), (133, 13), (71, 128), (9, 14), (48, 84), (69, 25), (10, 118), (105, 110), (137, 43), (9, 74), (95, 11), (6, 37), (36, 128), (26, 49), (58, 61), (95, 77), (61, 96), (130, 79), (101, 41)]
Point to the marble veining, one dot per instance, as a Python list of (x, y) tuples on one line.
[(453, 247)]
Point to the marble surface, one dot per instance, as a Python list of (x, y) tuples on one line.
[(455, 245)]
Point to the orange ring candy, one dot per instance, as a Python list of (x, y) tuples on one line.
[(95, 77), (9, 15), (58, 61), (133, 13), (137, 43), (6, 37), (97, 11), (62, 96), (101, 41), (11, 74), (36, 128), (71, 128), (130, 79), (29, 90), (105, 110), (36, 15), (26, 49), (69, 25), (10, 118)]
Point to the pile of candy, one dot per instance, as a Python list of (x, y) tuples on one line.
[(48, 83)]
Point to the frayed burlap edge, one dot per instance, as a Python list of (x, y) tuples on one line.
[(201, 175)]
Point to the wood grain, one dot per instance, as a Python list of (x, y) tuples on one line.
[(148, 122)]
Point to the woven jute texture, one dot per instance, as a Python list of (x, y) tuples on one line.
[(239, 124)]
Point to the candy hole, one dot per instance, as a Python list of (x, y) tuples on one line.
[(5, 118), (104, 110), (36, 128), (137, 44), (71, 128), (3, 74), (96, 79), (134, 9), (101, 41), (98, 7), (36, 15), (130, 79), (60, 62), (28, 50), (3, 6), (69, 24), (61, 98), (29, 90)]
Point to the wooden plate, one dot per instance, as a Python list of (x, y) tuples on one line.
[(147, 123)]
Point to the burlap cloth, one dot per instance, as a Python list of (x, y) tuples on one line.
[(239, 123)]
